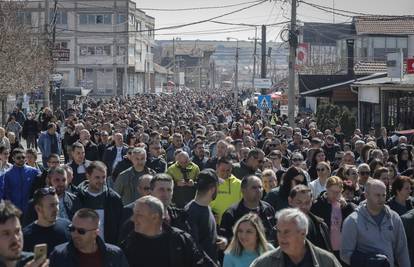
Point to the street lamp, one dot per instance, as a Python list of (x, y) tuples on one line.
[(236, 75)]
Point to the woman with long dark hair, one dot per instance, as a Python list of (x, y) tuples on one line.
[(317, 156), (404, 157), (278, 197)]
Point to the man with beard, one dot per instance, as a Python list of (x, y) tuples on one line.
[(58, 179), (86, 247), (48, 228), (11, 239), (203, 224), (95, 194)]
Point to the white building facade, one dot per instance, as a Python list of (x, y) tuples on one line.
[(109, 42)]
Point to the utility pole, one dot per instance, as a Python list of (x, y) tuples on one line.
[(46, 88), (174, 65), (293, 43), (236, 82), (264, 58), (254, 57), (236, 74)]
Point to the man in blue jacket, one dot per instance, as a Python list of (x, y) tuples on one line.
[(49, 142), (86, 247), (18, 180)]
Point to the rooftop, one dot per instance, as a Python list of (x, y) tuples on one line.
[(389, 25)]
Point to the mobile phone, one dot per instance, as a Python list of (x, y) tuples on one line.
[(40, 251)]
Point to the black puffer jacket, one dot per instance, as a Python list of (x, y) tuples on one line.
[(323, 209)]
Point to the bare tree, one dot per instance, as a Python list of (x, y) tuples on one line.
[(25, 59)]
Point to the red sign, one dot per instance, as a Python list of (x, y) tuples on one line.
[(410, 66)]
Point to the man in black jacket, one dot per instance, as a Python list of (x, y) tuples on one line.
[(252, 191), (91, 149), (154, 244), (301, 197), (114, 154), (155, 161), (199, 155), (57, 178), (78, 163), (161, 187), (86, 247), (96, 195)]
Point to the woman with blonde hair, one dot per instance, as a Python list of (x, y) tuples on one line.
[(248, 243)]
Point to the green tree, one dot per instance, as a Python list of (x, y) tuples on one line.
[(329, 116)]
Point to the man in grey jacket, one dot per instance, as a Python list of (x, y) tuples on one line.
[(374, 229), (294, 249)]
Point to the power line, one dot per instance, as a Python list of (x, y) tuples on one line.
[(250, 25), (181, 25), (198, 8)]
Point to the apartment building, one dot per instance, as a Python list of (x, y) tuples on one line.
[(109, 43)]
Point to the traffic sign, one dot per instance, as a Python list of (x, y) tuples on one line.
[(410, 66), (262, 83), (264, 102)]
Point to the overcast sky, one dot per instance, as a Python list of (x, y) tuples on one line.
[(267, 13)]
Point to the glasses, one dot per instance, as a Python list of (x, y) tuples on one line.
[(364, 173), (320, 169), (146, 188), (297, 159), (53, 162), (80, 231), (45, 191), (20, 157), (273, 145)]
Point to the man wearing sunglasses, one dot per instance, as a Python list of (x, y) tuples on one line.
[(48, 228), (251, 165), (18, 180), (86, 247)]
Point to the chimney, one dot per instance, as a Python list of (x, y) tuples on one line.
[(350, 57)]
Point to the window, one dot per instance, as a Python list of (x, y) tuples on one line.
[(121, 51), (379, 42), (121, 19), (24, 17), (61, 17), (391, 42), (92, 50), (95, 18), (61, 44)]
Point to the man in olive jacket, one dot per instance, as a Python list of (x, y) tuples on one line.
[(294, 249), (127, 182)]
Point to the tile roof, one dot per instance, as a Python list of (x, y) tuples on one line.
[(370, 67), (367, 67), (393, 25)]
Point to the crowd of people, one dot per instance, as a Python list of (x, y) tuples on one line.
[(183, 180)]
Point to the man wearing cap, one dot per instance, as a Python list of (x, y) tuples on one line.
[(201, 217)]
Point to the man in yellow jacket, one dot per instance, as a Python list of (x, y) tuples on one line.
[(184, 173), (229, 191)]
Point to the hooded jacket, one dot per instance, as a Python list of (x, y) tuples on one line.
[(364, 235), (112, 210)]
